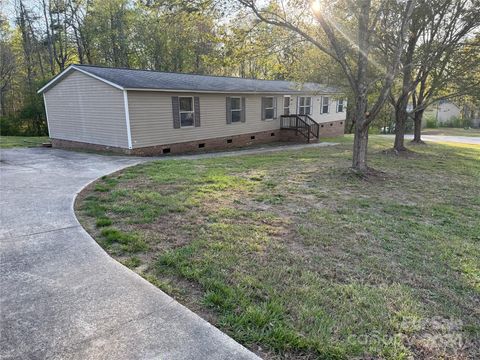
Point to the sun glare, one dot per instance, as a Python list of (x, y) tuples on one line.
[(316, 7)]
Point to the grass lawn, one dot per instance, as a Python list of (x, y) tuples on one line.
[(22, 141), (296, 258), (452, 132)]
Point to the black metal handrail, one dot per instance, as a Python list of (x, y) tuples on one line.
[(314, 126), (303, 124)]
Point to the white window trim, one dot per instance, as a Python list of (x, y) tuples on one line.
[(186, 112), (343, 105), (310, 107), (232, 109), (289, 97), (274, 106), (328, 105)]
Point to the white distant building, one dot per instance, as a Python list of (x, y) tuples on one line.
[(443, 111)]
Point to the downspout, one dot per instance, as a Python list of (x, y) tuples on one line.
[(127, 119), (46, 114)]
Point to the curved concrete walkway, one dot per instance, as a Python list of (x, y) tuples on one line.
[(62, 296)]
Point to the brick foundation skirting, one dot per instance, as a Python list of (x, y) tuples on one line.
[(70, 144), (333, 128), (220, 143)]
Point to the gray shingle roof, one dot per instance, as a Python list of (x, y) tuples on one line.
[(146, 79)]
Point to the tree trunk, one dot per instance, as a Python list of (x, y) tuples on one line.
[(360, 145), (400, 124), (401, 114), (360, 140), (49, 39), (399, 144), (3, 106), (417, 121)]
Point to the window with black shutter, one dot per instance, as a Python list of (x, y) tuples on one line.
[(186, 111)]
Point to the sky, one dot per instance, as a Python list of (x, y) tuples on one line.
[(7, 7)]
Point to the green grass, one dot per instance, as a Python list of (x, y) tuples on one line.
[(295, 257), (22, 141)]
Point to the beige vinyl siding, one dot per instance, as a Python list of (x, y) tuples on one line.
[(81, 108), (151, 118), (316, 107)]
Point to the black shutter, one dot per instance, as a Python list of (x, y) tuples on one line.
[(196, 109), (176, 112), (242, 115), (229, 110), (275, 108), (263, 108)]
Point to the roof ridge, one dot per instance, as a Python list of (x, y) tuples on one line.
[(193, 74), (128, 79)]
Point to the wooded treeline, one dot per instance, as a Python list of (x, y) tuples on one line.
[(40, 38), (394, 58)]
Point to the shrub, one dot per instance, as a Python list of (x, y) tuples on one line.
[(30, 120), (456, 122), (431, 123), (9, 126)]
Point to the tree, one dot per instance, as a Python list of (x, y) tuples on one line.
[(7, 63), (430, 62), (253, 49), (348, 32), (454, 77), (108, 27)]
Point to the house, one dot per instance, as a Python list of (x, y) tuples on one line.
[(147, 112), (444, 112)]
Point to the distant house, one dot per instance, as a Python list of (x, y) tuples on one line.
[(444, 112), (147, 112), (449, 113)]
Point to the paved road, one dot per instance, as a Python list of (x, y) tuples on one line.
[(62, 296), (448, 138)]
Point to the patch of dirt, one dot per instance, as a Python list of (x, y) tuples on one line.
[(406, 153), (370, 175), (415, 143)]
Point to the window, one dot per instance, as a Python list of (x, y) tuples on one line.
[(269, 108), (304, 105), (286, 105), (236, 109), (187, 115), (340, 105), (325, 105)]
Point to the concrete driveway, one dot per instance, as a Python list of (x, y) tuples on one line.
[(448, 138), (62, 296)]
